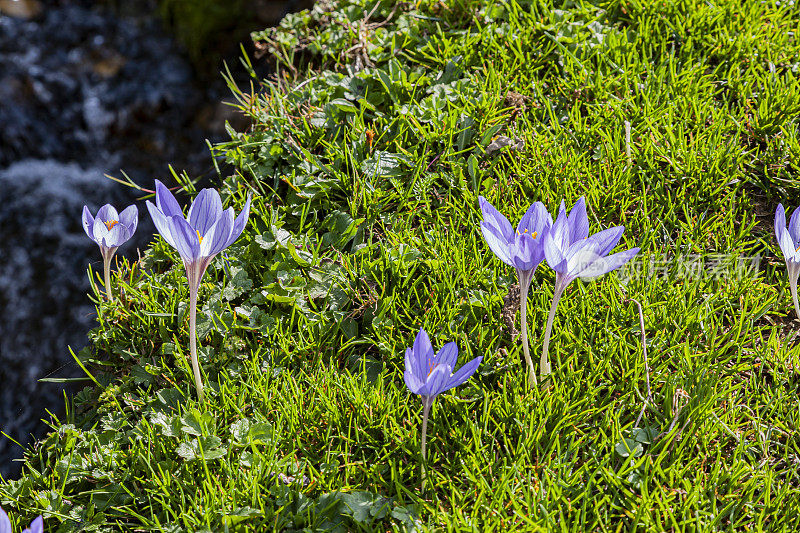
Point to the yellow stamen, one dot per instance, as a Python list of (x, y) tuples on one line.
[(111, 223), (534, 234), (199, 237)]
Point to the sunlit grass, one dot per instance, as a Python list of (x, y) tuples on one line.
[(367, 158)]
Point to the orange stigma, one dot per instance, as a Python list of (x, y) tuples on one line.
[(431, 366), (111, 223)]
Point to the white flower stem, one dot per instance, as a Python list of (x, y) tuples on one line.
[(628, 142), (107, 275), (524, 287), (198, 383), (425, 410), (649, 396), (544, 364), (793, 288)]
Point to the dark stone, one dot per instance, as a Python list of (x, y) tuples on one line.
[(82, 93), (44, 287)]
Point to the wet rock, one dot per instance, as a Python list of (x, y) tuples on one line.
[(107, 62), (78, 77), (43, 285), (24, 9), (82, 93), (216, 117)]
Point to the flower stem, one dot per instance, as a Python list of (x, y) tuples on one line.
[(198, 383), (793, 288), (544, 364), (425, 410), (524, 287), (107, 274)]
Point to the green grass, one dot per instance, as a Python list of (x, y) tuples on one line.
[(353, 245)]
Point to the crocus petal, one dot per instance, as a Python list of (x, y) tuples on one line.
[(205, 211), (787, 246), (497, 243), (413, 383), (116, 236), (561, 231), (535, 220), (166, 202), (607, 239), (526, 253), (780, 221), (497, 220), (794, 227), (240, 223), (216, 239), (578, 221), (409, 360), (553, 252), (130, 218), (423, 354), (100, 231), (162, 224), (581, 256), (464, 373), (5, 523), (186, 240), (88, 222), (37, 526), (607, 264), (437, 381), (107, 213), (448, 355)]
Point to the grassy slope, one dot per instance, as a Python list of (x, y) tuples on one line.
[(352, 246)]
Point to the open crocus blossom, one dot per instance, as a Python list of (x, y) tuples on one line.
[(573, 254), (789, 241), (110, 230), (37, 526), (429, 375), (205, 232), (523, 250)]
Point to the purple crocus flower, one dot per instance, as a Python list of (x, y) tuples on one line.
[(110, 230), (789, 241), (205, 232), (573, 254), (523, 250), (37, 526), (429, 375)]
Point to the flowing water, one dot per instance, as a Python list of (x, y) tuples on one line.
[(83, 92)]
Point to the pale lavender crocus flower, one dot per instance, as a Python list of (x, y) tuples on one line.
[(573, 254), (522, 249), (205, 232), (789, 241), (110, 230), (37, 526), (429, 375)]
